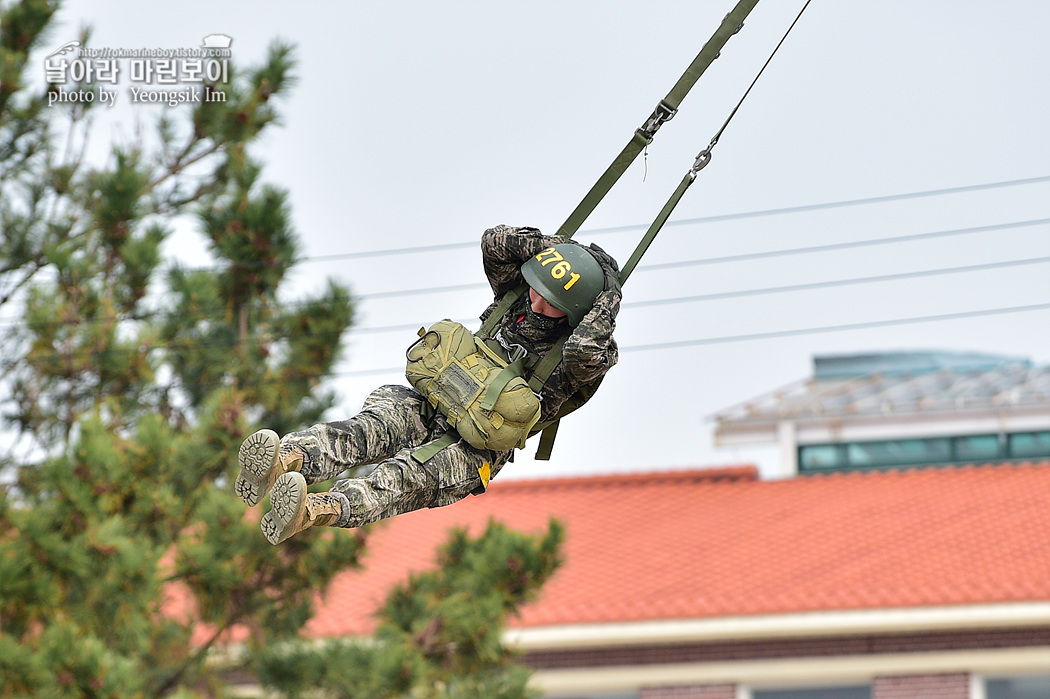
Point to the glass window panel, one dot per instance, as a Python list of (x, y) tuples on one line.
[(858, 692), (901, 452), (1029, 444), (1032, 687), (978, 447), (819, 456)]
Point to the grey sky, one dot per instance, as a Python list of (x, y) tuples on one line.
[(424, 123)]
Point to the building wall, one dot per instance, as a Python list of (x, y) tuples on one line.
[(729, 651), (931, 665), (954, 686), (710, 691)]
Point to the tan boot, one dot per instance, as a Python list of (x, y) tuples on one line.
[(294, 509), (262, 461)]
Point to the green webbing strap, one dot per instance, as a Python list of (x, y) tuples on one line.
[(656, 225), (544, 368), (426, 452), (702, 159), (543, 451), (488, 401), (508, 300), (664, 111)]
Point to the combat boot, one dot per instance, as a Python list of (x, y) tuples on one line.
[(263, 460), (294, 509)]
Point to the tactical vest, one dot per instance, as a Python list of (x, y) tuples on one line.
[(449, 394), (482, 395)]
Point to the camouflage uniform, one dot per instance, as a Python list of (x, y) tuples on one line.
[(396, 420)]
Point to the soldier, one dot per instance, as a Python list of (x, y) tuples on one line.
[(397, 423)]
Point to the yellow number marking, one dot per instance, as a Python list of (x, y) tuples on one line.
[(559, 270)]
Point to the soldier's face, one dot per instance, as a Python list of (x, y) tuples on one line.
[(542, 306)]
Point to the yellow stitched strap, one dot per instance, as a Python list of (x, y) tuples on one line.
[(485, 471)]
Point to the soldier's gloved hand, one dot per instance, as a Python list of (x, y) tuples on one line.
[(609, 299)]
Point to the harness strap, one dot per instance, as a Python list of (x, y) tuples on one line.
[(662, 217), (664, 112), (540, 374), (543, 451), (428, 451), (488, 401), (504, 305), (702, 159), (545, 367)]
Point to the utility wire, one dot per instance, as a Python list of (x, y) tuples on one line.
[(836, 282), (834, 328), (728, 338), (775, 289), (692, 221), (440, 247), (843, 246), (776, 333), (750, 256), (698, 297), (651, 267)]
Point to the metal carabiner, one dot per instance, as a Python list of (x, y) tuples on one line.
[(702, 159)]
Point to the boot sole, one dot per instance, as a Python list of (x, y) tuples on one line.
[(257, 458), (288, 498)]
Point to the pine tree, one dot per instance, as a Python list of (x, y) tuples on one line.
[(439, 635), (129, 382)]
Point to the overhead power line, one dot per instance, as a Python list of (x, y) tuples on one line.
[(655, 267), (834, 328), (867, 242), (721, 295), (692, 221), (776, 333), (716, 340), (717, 296), (836, 282)]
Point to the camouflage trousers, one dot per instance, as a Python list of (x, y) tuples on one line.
[(389, 428)]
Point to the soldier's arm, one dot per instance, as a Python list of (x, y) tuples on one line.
[(590, 350), (504, 250)]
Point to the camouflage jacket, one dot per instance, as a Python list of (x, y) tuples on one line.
[(590, 350)]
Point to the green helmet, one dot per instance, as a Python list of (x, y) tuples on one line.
[(568, 277)]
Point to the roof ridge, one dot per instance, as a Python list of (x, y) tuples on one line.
[(721, 474)]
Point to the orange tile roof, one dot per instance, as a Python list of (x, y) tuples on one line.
[(707, 543)]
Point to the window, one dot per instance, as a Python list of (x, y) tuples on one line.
[(1027, 445), (898, 452), (852, 692), (985, 447), (1031, 687), (821, 456), (962, 449)]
